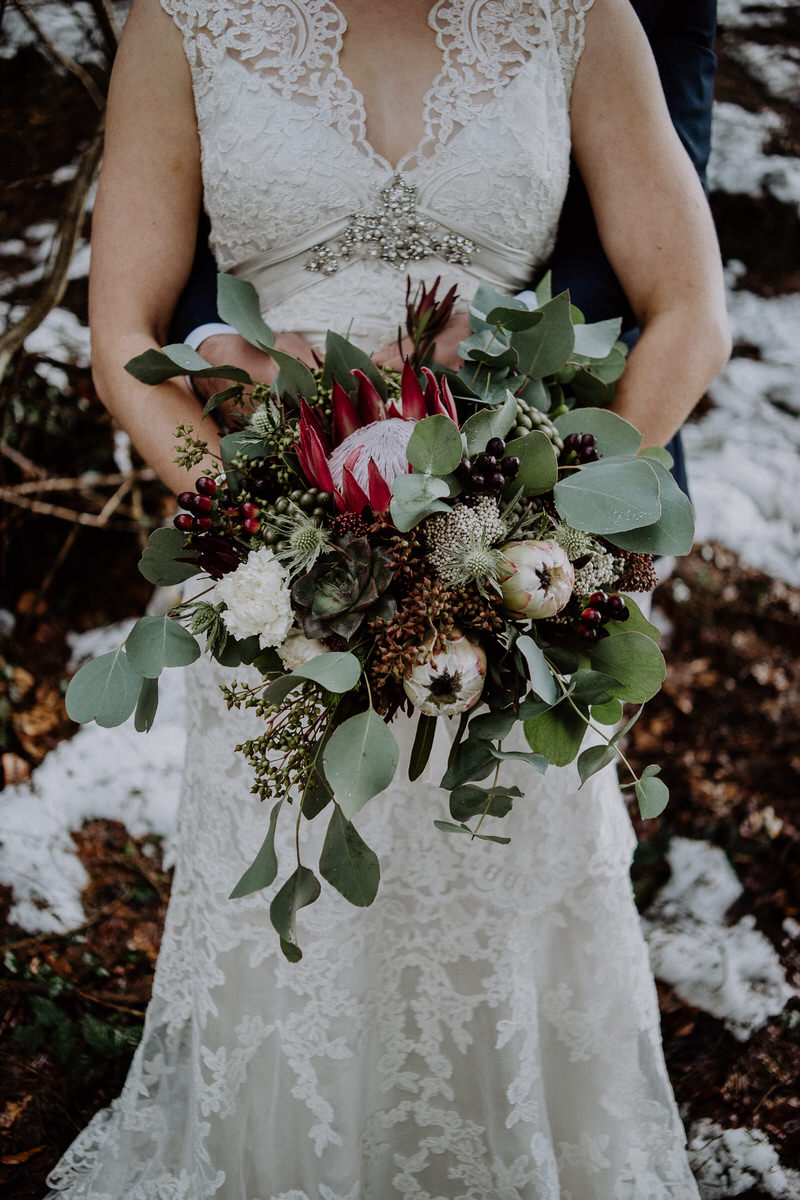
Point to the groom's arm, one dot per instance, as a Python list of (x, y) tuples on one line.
[(681, 34)]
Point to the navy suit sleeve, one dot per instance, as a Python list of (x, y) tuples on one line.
[(198, 302)]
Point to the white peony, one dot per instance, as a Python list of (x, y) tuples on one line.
[(298, 649), (257, 599)]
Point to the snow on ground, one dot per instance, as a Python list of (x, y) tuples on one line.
[(776, 68), (730, 971), (742, 14), (730, 1162), (68, 26), (739, 163), (113, 773)]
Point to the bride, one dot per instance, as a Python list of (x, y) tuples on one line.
[(488, 1029)]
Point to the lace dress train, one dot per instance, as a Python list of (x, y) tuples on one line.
[(488, 1029)]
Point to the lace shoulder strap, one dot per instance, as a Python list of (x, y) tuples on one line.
[(568, 18)]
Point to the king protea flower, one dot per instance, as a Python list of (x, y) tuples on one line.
[(448, 682), (367, 449)]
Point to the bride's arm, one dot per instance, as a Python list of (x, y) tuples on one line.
[(654, 223), (143, 234)]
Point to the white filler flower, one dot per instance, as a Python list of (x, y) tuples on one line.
[(257, 599), (449, 682), (541, 579), (298, 649)]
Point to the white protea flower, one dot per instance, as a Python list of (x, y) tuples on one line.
[(257, 599), (297, 650), (385, 444), (449, 682), (540, 582)]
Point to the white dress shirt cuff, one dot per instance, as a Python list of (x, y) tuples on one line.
[(199, 334)]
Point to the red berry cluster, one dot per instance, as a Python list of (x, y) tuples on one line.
[(583, 446), (489, 471), (197, 518), (601, 608)]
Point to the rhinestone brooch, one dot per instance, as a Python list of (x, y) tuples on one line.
[(393, 232)]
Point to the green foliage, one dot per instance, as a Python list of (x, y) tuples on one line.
[(341, 358), (614, 434), (262, 871), (538, 469), (434, 447), (541, 677), (415, 497), (237, 305), (347, 862), (159, 563), (360, 760), (557, 733), (300, 889), (610, 495), (423, 744), (104, 690), (635, 660), (158, 642), (489, 423)]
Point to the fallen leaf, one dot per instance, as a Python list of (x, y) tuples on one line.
[(12, 1110), (13, 1160), (15, 769)]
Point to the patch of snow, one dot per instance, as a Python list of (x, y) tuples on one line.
[(79, 267), (791, 928), (71, 27), (12, 248), (730, 1162), (738, 164), (777, 68), (117, 774), (730, 971), (64, 174), (743, 453), (61, 335), (743, 14), (122, 452)]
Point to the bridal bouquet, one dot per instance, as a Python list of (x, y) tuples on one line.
[(450, 544)]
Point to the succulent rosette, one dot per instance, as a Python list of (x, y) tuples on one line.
[(343, 588), (540, 580), (448, 681)]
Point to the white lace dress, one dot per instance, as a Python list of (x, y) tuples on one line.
[(488, 1030)]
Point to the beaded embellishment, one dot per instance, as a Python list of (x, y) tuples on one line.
[(393, 232)]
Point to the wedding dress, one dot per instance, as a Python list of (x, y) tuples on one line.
[(488, 1029)]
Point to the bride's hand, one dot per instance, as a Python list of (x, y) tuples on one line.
[(230, 349), (445, 350)]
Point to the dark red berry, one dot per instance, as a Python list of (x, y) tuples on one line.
[(260, 486), (592, 616), (588, 633), (587, 454), (572, 442), (183, 522), (617, 609), (510, 466), (248, 509), (206, 486), (225, 497), (186, 499), (463, 470), (202, 524), (588, 441), (485, 462), (201, 505), (496, 480), (251, 525), (597, 600), (477, 482), (496, 446)]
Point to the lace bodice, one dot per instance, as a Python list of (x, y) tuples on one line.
[(286, 158)]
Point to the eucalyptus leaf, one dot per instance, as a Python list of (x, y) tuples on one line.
[(423, 744), (262, 871), (293, 378), (672, 532), (541, 677), (489, 347), (360, 760), (633, 659), (653, 796), (544, 349), (158, 642), (489, 423), (486, 298), (301, 888), (492, 726), (450, 827), (435, 445), (607, 714), (614, 434), (593, 687), (347, 862), (473, 759), (336, 670), (598, 339), (593, 760), (104, 690), (538, 465), (219, 398), (514, 319), (415, 497), (539, 762), (660, 454), (158, 562), (637, 622), (146, 706), (469, 800), (157, 366), (342, 358), (238, 305), (610, 495), (557, 734)]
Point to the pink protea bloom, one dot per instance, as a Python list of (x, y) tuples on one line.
[(448, 682), (367, 449)]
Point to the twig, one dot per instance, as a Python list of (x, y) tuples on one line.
[(26, 465), (54, 282), (107, 20), (58, 54), (67, 514), (81, 483), (123, 1008)]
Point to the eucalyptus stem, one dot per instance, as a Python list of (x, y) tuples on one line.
[(591, 725), (485, 812)]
